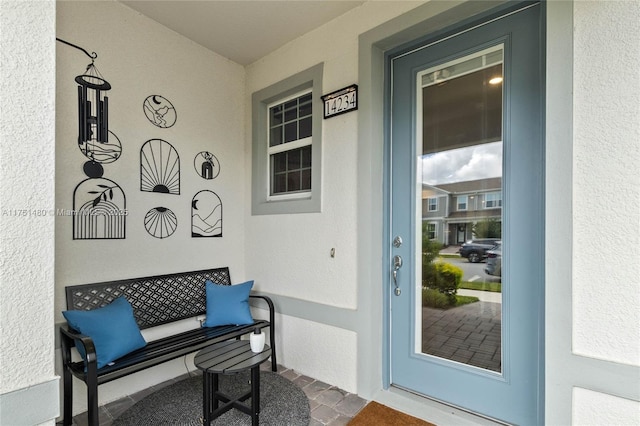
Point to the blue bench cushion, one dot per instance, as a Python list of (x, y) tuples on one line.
[(228, 304), (112, 328)]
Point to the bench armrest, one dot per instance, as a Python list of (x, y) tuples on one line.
[(70, 338), (272, 315), (272, 328)]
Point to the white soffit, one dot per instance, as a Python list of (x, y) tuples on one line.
[(242, 30)]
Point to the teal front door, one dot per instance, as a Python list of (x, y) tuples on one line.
[(466, 156)]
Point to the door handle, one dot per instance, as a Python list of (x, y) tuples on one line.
[(397, 264)]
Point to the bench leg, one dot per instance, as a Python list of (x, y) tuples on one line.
[(255, 395), (92, 402), (67, 411), (272, 340)]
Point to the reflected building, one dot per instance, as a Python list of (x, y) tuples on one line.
[(451, 209)]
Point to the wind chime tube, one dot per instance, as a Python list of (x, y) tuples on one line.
[(87, 116), (105, 119), (81, 117), (98, 117)]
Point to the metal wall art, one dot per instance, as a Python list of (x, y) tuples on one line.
[(100, 153), (93, 121), (207, 165), (93, 118), (93, 111), (99, 210), (99, 204), (160, 222), (206, 215), (159, 111), (159, 167)]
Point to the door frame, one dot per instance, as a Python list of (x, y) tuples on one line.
[(429, 21)]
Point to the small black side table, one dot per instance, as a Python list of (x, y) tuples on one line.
[(229, 357)]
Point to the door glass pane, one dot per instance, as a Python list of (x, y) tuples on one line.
[(459, 132)]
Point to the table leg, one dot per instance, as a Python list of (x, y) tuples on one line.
[(255, 395), (214, 393), (206, 398)]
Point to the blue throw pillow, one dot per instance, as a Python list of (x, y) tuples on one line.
[(113, 329), (228, 304)]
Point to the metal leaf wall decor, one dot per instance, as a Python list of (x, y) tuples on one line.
[(99, 210)]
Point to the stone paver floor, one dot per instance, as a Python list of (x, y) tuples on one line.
[(329, 405), (468, 334)]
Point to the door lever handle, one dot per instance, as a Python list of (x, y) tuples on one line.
[(397, 264)]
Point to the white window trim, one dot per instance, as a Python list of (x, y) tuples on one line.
[(466, 202), (429, 204), (287, 146), (262, 202), (498, 198)]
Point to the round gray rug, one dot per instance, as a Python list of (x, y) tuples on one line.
[(281, 403)]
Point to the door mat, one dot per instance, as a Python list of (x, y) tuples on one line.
[(381, 415)]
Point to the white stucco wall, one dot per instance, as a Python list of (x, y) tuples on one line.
[(278, 246), (606, 295), (606, 202), (27, 155), (139, 58), (290, 253), (596, 409), (592, 256)]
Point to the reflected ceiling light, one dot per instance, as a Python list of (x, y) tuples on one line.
[(495, 80)]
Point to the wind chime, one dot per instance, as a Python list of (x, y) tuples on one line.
[(99, 204), (93, 116)]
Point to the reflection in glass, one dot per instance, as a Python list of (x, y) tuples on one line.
[(460, 129)]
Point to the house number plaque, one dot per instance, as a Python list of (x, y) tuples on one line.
[(341, 101)]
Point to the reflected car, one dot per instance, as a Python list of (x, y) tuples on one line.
[(476, 250), (494, 261)]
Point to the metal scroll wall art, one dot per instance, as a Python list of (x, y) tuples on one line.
[(99, 204), (206, 215), (159, 167), (206, 206), (160, 222), (206, 165), (159, 111)]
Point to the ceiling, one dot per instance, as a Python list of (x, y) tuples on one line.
[(242, 30)]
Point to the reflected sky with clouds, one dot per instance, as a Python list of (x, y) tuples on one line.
[(463, 164)]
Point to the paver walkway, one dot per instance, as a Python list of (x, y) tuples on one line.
[(469, 334)]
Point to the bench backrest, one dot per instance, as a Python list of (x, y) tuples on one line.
[(155, 300)]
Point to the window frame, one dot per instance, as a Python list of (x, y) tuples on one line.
[(262, 202), (466, 202), (435, 230), (287, 146), (435, 199)]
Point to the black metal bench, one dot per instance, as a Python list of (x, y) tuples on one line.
[(155, 300)]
